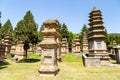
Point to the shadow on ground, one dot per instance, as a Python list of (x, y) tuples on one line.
[(3, 64), (28, 60)]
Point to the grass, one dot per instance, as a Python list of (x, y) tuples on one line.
[(34, 56), (69, 70), (69, 57), (31, 58)]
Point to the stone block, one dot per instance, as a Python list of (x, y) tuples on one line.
[(90, 61)]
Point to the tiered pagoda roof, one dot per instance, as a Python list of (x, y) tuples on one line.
[(77, 41), (96, 25)]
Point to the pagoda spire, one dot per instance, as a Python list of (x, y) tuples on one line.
[(94, 8)]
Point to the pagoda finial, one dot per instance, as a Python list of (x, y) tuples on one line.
[(94, 8)]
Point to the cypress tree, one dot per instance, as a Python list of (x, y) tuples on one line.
[(26, 31), (5, 28)]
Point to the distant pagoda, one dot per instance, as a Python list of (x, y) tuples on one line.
[(76, 46), (64, 47), (7, 41), (96, 37), (85, 43)]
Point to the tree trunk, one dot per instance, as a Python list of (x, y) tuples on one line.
[(26, 53)]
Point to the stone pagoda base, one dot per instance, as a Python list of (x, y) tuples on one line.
[(18, 57), (101, 54), (48, 70)]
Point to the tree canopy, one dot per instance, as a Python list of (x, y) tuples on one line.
[(5, 28), (64, 31), (40, 33), (26, 31), (0, 20)]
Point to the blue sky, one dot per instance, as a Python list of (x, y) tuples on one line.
[(73, 12)]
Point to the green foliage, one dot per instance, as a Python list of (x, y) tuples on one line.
[(26, 31), (69, 57), (111, 37), (30, 27), (64, 31), (5, 28), (70, 37), (74, 35), (115, 34), (19, 32), (40, 38), (0, 20), (85, 29)]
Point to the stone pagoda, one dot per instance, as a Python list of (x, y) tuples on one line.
[(2, 51), (96, 38), (7, 42), (85, 43), (113, 45), (19, 51), (49, 45), (64, 47), (76, 46), (73, 46)]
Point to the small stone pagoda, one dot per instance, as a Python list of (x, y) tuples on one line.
[(7, 42), (64, 47), (76, 46), (19, 51), (73, 46), (2, 51), (85, 43), (113, 45), (96, 38), (49, 45), (38, 50)]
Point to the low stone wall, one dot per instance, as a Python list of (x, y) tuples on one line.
[(90, 61)]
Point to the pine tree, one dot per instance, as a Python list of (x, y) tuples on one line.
[(85, 29), (70, 38), (19, 31), (26, 31), (5, 28), (40, 33), (64, 31), (0, 20), (31, 27)]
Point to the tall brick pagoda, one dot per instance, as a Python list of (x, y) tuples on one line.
[(96, 37)]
